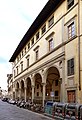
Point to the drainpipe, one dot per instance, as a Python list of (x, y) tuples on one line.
[(79, 44)]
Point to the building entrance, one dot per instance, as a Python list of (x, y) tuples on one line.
[(71, 96)]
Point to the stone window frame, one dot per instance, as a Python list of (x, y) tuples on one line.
[(22, 53), (21, 66), (37, 35), (43, 29), (71, 30), (70, 66), (28, 45), (28, 57), (17, 70), (36, 50), (51, 44), (17, 59), (25, 49), (51, 21), (49, 38), (67, 24), (32, 41)]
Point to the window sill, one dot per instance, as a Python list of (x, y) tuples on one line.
[(71, 76), (72, 38)]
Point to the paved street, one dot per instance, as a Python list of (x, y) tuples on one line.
[(12, 112)]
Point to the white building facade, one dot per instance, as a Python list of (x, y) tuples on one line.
[(47, 62)]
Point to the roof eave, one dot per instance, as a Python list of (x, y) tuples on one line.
[(40, 19)]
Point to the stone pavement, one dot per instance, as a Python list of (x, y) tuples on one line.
[(12, 112)]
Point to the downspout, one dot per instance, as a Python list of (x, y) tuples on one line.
[(79, 44)]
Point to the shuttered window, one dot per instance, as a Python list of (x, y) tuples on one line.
[(70, 67)]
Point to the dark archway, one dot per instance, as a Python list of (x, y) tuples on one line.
[(22, 89), (38, 92), (17, 85), (17, 90), (53, 84), (29, 88)]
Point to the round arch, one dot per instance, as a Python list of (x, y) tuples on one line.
[(22, 89), (29, 88), (38, 91), (17, 85), (52, 83), (54, 66), (17, 91)]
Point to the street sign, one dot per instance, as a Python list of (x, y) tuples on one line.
[(52, 94)]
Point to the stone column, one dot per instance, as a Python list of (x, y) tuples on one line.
[(44, 86), (43, 74), (33, 86), (15, 93), (25, 90), (33, 92), (20, 93), (62, 92)]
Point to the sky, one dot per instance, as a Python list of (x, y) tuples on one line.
[(16, 16)]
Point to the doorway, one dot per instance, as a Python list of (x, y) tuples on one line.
[(71, 96)]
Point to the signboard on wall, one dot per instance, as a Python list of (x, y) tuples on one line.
[(52, 94)]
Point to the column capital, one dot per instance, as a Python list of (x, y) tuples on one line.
[(25, 87), (16, 89), (19, 89), (43, 84), (25, 78), (60, 80), (43, 71), (33, 86), (32, 76), (43, 75)]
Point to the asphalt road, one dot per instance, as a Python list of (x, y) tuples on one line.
[(12, 112)]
